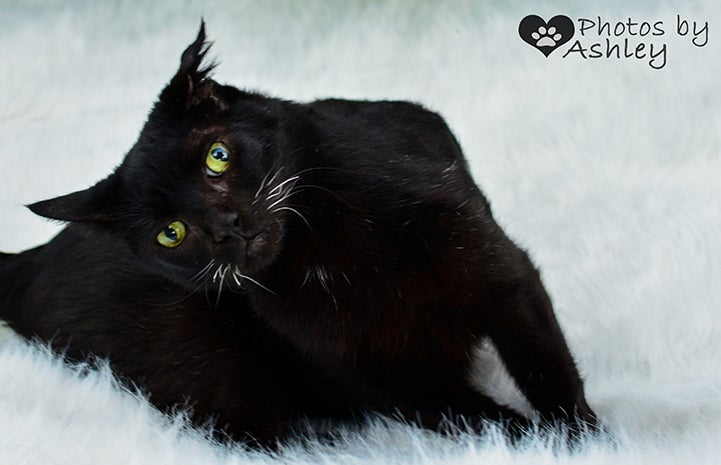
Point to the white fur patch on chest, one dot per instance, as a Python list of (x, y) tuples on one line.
[(489, 376)]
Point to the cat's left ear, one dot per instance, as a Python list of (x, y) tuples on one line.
[(191, 79), (97, 204)]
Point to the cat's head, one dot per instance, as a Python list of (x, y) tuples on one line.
[(204, 193)]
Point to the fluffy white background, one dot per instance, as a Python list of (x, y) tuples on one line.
[(607, 170)]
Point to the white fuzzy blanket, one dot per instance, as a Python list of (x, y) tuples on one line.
[(607, 170)]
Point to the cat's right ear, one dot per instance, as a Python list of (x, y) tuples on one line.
[(191, 74), (97, 204)]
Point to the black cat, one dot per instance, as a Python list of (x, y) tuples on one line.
[(362, 267), (85, 292)]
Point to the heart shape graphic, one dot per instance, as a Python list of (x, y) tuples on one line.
[(546, 36)]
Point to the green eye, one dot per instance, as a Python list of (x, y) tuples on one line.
[(172, 235), (217, 160)]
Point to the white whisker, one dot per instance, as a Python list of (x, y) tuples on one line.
[(217, 273), (262, 185), (203, 272), (169, 304), (279, 187), (291, 192), (222, 279), (297, 213), (237, 281), (242, 276), (276, 174)]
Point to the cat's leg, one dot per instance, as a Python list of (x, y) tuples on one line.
[(524, 330), (434, 392)]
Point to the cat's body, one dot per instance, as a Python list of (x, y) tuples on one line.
[(353, 230), (86, 295), (396, 277)]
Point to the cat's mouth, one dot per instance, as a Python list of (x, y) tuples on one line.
[(234, 266)]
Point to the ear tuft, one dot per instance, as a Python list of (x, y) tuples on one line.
[(193, 57), (191, 76)]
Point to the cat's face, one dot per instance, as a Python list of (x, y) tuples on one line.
[(203, 196)]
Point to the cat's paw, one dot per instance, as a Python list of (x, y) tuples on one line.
[(546, 37)]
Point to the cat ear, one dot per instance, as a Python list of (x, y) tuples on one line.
[(96, 204), (187, 82)]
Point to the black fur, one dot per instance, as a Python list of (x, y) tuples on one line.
[(366, 262), (84, 293)]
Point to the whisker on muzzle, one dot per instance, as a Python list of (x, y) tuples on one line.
[(237, 276), (200, 275)]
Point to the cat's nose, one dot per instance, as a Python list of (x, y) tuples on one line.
[(229, 227)]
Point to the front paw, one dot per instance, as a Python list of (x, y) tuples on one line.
[(576, 424), (582, 426)]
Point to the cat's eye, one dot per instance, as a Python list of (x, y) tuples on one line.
[(172, 235), (217, 160)]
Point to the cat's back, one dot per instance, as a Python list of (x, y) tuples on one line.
[(393, 130), (397, 113)]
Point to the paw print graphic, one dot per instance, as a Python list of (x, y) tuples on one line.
[(546, 37)]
